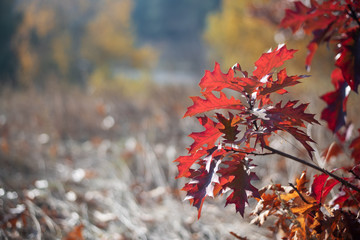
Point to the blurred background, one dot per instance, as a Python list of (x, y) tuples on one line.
[(91, 104)]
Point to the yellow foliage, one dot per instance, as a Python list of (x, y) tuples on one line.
[(45, 21), (60, 49), (37, 16), (109, 35), (235, 35), (71, 39), (28, 62), (121, 84), (42, 22)]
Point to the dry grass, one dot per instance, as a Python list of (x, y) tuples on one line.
[(100, 165)]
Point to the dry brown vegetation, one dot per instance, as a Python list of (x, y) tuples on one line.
[(99, 166)]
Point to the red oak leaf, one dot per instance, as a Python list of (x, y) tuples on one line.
[(321, 187), (296, 18), (347, 198), (315, 17), (335, 112), (185, 162), (349, 58), (322, 20), (216, 80), (302, 137), (283, 80), (312, 47), (203, 181), (211, 102), (290, 115), (207, 137), (270, 60), (311, 18), (229, 126), (288, 118), (219, 187), (240, 183), (333, 150), (320, 35), (355, 146)]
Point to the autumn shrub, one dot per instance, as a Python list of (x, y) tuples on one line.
[(240, 127)]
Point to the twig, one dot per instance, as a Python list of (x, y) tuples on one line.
[(344, 182), (353, 14), (355, 175), (34, 219), (250, 153), (49, 222), (2, 234), (300, 195), (238, 237), (352, 196)]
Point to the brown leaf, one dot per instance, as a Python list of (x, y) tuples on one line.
[(76, 233)]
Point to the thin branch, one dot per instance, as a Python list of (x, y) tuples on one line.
[(355, 175), (353, 14), (344, 182), (34, 219), (250, 153), (237, 236), (300, 195), (352, 196)]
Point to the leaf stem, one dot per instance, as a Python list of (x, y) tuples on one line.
[(344, 182)]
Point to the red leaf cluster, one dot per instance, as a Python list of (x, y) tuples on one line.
[(335, 112), (218, 158), (332, 22), (355, 147)]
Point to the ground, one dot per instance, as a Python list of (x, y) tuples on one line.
[(81, 164)]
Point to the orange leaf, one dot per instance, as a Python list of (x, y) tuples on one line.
[(75, 234)]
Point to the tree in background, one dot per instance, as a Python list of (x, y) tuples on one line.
[(70, 40), (234, 32), (115, 46), (87, 39), (44, 40), (175, 28), (162, 19), (9, 21)]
